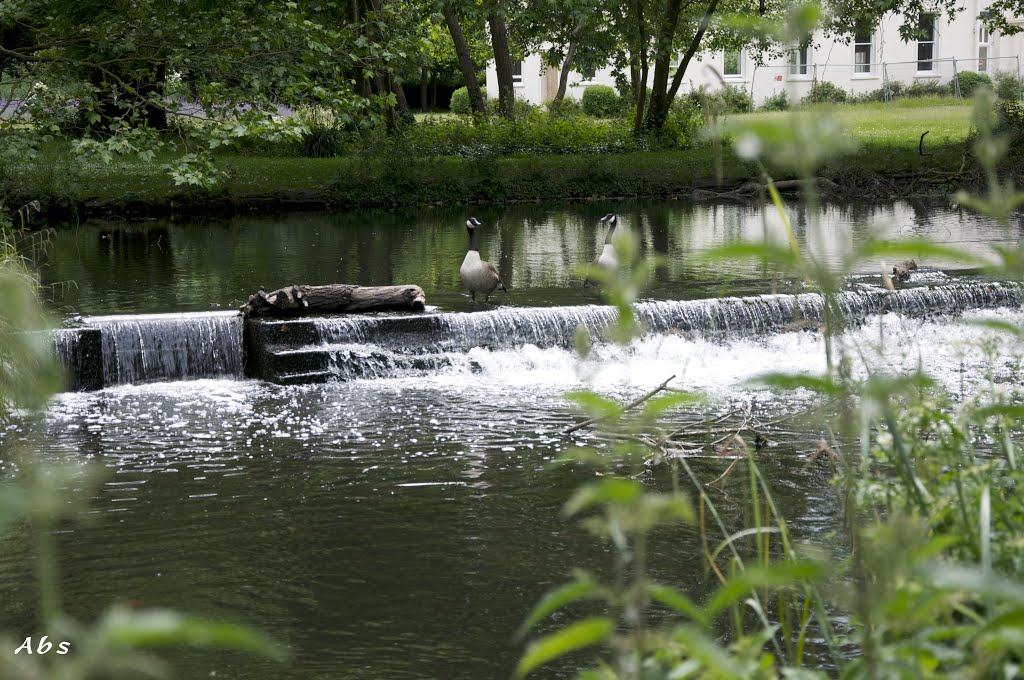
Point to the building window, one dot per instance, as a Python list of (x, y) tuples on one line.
[(984, 45), (517, 73), (798, 61), (588, 72), (926, 44), (864, 52), (732, 64)]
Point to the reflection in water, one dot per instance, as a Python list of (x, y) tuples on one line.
[(182, 266)]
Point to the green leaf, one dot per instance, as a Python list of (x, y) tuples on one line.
[(585, 633), (779, 575), (750, 251), (596, 405), (670, 597), (920, 248), (163, 627), (974, 581), (610, 490), (792, 381), (582, 588), (996, 325), (709, 653)]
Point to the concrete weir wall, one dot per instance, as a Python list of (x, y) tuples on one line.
[(160, 347)]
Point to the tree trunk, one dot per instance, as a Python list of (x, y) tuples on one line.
[(691, 50), (465, 61), (403, 103), (334, 298), (156, 114), (424, 80), (640, 94), (563, 77), (662, 63), (502, 63)]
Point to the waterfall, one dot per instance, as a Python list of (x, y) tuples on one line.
[(151, 347), (711, 318), (112, 350)]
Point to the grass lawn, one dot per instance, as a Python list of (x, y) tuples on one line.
[(888, 136), (899, 123)]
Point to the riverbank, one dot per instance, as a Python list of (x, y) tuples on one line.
[(892, 161)]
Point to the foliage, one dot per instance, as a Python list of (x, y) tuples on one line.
[(1009, 85), (826, 92), (777, 102), (931, 587), (600, 101), (569, 107), (925, 88), (971, 81), (460, 103)]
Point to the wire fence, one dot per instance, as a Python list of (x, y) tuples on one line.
[(878, 81)]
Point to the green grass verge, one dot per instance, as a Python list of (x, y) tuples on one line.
[(888, 135)]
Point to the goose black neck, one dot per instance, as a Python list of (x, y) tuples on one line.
[(611, 230), (473, 245)]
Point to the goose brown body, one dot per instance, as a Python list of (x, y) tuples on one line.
[(477, 275)]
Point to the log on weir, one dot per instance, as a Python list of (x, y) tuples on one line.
[(333, 299)]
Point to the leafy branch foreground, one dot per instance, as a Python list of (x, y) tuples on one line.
[(927, 583)]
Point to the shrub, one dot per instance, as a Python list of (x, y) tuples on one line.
[(777, 102), (320, 142), (826, 92), (969, 82), (601, 101), (1009, 86), (925, 88), (460, 100), (735, 99), (569, 107)]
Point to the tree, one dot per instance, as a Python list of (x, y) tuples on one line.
[(465, 59)]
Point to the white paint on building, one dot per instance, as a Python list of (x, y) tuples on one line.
[(858, 65)]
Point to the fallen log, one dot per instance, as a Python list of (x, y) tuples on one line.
[(334, 298)]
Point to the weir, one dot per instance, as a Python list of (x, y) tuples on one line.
[(318, 349), (154, 347)]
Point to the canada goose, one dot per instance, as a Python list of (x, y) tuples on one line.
[(607, 260), (478, 276)]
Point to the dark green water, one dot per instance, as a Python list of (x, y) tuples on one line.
[(187, 266), (403, 528)]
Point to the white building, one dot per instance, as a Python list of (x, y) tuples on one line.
[(857, 66)]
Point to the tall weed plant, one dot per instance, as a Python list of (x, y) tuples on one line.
[(928, 584)]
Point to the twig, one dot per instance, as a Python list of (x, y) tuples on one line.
[(636, 402)]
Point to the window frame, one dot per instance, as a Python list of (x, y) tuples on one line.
[(867, 69), (795, 64), (984, 63), (517, 78), (931, 42), (740, 66)]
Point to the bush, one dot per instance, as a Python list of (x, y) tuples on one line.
[(826, 92), (569, 107), (320, 142), (777, 102), (601, 101), (925, 88), (735, 99), (1009, 86), (969, 82), (460, 100)]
